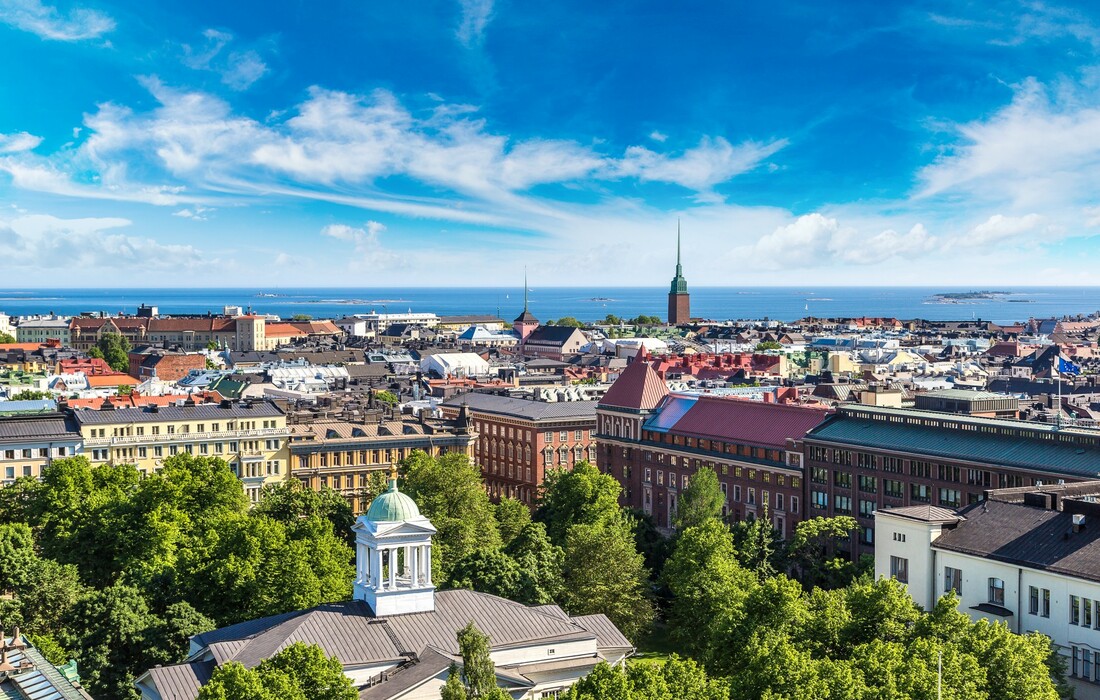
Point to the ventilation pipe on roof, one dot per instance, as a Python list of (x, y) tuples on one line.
[(1078, 522)]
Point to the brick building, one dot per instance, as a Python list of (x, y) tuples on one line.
[(653, 442), (342, 455), (167, 365), (866, 458), (519, 439)]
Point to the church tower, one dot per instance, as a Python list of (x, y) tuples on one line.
[(679, 302), (393, 556), (525, 323)]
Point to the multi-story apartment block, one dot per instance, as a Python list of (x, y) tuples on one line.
[(342, 455), (244, 333), (1029, 557), (519, 439), (28, 443), (867, 458), (41, 330), (252, 437), (653, 441)]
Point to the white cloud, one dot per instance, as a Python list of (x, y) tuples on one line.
[(658, 136), (816, 240), (238, 69), (1040, 151), (47, 22), (43, 242), (197, 213), (368, 250), (713, 161), (21, 141), (474, 18), (999, 229)]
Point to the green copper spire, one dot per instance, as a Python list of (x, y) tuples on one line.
[(679, 284)]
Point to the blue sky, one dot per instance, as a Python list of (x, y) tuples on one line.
[(453, 142)]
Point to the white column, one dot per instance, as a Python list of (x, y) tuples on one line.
[(393, 567), (376, 569), (414, 566), (428, 564)]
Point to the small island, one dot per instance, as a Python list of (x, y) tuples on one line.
[(962, 297)]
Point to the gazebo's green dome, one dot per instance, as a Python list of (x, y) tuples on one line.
[(392, 506)]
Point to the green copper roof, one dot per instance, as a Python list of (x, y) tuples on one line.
[(679, 284), (392, 506)]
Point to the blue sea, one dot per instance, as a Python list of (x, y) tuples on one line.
[(781, 303)]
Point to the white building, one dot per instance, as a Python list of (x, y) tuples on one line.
[(455, 364), (397, 639), (1029, 557), (41, 330)]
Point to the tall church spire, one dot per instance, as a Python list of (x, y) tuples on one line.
[(679, 310), (525, 289)]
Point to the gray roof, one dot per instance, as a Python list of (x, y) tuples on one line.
[(180, 680), (350, 632), (47, 426), (923, 513), (208, 411), (1018, 444), (429, 664), (1027, 536), (524, 408)]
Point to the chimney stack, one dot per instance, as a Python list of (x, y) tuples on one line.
[(17, 639)]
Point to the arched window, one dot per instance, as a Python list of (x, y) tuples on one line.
[(527, 453)]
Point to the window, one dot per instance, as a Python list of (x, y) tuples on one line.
[(778, 501), (952, 580), (867, 508), (1086, 612), (842, 479), (1086, 664), (996, 591), (868, 484), (736, 494), (819, 499), (920, 492), (563, 435), (842, 504), (867, 535), (752, 497), (899, 569), (1074, 610), (893, 489), (819, 475), (794, 504), (1032, 600), (951, 498), (1045, 610)]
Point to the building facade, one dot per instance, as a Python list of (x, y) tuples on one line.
[(342, 455), (867, 458), (1028, 557), (653, 441), (520, 439), (251, 436), (41, 330), (29, 443)]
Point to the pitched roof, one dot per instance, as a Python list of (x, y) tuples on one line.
[(524, 408), (557, 335), (1028, 536), (924, 513), (46, 426), (209, 411), (638, 387), (748, 422)]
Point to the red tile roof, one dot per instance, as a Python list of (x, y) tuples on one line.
[(638, 387), (748, 422), (102, 380)]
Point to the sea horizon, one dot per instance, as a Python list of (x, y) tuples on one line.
[(1005, 304)]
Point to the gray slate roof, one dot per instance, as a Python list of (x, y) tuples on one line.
[(209, 411), (49, 426), (349, 631), (524, 408), (1028, 536)]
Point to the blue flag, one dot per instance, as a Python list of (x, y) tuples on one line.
[(1067, 367)]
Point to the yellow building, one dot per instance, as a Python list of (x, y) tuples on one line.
[(29, 443), (251, 437), (342, 455)]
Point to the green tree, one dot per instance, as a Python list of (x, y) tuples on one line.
[(212, 345), (612, 320), (603, 683), (115, 349), (449, 492), (111, 642), (31, 395), (478, 678), (298, 672), (581, 496), (653, 545), (124, 390), (759, 546), (17, 556), (701, 501), (709, 589), (291, 501), (566, 321), (604, 573), (487, 570), (767, 345), (511, 516), (387, 397), (6, 338), (808, 548), (540, 564), (301, 317)]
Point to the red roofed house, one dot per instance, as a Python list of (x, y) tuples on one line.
[(652, 441)]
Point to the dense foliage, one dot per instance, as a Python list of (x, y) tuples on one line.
[(298, 672), (118, 570), (115, 349)]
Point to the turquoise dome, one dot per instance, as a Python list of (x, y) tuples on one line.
[(392, 506)]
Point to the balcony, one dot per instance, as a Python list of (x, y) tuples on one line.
[(222, 435)]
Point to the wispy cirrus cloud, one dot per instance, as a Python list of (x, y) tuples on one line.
[(475, 16), (238, 69), (15, 143), (49, 23)]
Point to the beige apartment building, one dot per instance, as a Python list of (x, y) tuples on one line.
[(252, 437)]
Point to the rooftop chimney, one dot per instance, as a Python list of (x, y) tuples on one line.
[(1078, 523), (5, 665), (17, 639)]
